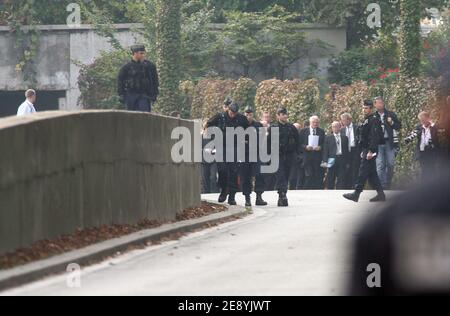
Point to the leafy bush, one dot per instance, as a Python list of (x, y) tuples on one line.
[(300, 98), (98, 81), (210, 94)]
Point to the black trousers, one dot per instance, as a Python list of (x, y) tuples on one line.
[(209, 178), (337, 175), (250, 171), (270, 179), (297, 177), (287, 161), (314, 175), (222, 172), (429, 164), (229, 176), (138, 102), (368, 172), (353, 171)]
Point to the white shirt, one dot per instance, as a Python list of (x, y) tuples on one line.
[(338, 144), (426, 137), (351, 137), (383, 125), (26, 108), (312, 131)]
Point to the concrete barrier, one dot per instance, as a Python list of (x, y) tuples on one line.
[(60, 171)]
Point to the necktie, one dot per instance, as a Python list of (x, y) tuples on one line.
[(314, 132)]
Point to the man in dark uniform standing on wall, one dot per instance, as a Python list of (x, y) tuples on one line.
[(250, 170), (289, 144), (229, 119), (370, 137), (138, 83)]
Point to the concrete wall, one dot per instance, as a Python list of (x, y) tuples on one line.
[(60, 171), (334, 37)]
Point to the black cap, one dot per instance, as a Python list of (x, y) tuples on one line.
[(138, 48), (368, 103), (234, 107), (228, 101), (282, 111), (249, 109)]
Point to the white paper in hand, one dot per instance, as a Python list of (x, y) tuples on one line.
[(313, 141)]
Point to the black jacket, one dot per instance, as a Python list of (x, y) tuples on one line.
[(309, 156), (370, 134), (289, 139), (397, 125), (139, 78), (330, 147), (224, 121)]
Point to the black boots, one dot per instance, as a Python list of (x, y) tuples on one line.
[(381, 197), (283, 200), (259, 200), (353, 196), (223, 196), (248, 201), (232, 199)]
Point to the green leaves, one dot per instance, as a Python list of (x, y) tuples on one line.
[(168, 47)]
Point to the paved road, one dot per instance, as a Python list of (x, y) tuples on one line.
[(300, 250)]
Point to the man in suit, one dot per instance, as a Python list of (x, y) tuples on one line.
[(387, 150), (336, 147), (297, 173), (350, 130), (312, 156), (428, 145)]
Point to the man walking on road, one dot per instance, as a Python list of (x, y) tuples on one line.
[(370, 137)]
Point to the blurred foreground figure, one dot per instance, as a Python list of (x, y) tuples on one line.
[(405, 250)]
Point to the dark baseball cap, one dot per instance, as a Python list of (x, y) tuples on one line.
[(368, 103), (138, 48), (282, 111), (249, 109), (228, 101)]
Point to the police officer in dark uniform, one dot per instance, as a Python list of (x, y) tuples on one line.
[(289, 143), (229, 119), (370, 137), (250, 170), (220, 122), (138, 83)]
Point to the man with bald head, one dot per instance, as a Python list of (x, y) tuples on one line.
[(312, 155)]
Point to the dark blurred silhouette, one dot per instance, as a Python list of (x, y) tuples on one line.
[(410, 242)]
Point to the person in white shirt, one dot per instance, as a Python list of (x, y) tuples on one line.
[(27, 107), (351, 131)]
